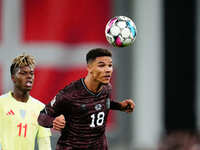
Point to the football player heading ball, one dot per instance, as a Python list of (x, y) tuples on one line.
[(85, 104)]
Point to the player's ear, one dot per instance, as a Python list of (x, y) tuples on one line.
[(13, 78), (89, 67)]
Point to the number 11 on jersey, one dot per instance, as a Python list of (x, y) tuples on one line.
[(20, 126)]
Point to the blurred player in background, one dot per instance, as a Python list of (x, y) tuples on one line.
[(85, 105), (19, 111), (180, 140)]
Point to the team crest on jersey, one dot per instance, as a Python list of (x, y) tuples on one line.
[(22, 113), (53, 101), (98, 107)]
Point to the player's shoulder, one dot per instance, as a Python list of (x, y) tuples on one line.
[(5, 99), (70, 91), (4, 96), (36, 102), (73, 86)]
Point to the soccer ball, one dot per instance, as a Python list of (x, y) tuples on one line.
[(120, 31)]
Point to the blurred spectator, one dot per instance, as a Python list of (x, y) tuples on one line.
[(180, 140)]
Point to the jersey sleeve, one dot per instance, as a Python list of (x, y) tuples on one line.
[(0, 144), (44, 143), (43, 132), (114, 105), (43, 138), (59, 105)]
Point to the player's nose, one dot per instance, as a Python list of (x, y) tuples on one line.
[(29, 75), (108, 69)]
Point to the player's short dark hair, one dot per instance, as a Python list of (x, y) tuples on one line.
[(97, 52), (21, 61)]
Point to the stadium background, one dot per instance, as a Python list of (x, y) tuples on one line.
[(160, 71)]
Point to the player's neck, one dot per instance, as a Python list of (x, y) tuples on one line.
[(92, 85), (20, 95)]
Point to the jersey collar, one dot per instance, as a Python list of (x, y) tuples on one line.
[(89, 91)]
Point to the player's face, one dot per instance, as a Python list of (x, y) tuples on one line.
[(101, 69), (23, 78)]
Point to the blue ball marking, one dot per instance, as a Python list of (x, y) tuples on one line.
[(133, 31)]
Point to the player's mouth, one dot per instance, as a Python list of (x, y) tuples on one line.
[(29, 83), (107, 77)]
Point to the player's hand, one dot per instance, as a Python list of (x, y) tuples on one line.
[(59, 123), (127, 105)]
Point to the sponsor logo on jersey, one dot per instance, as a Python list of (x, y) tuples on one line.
[(22, 113), (10, 112), (98, 107)]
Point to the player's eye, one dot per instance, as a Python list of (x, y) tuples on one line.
[(32, 73), (101, 65), (22, 73), (110, 65)]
